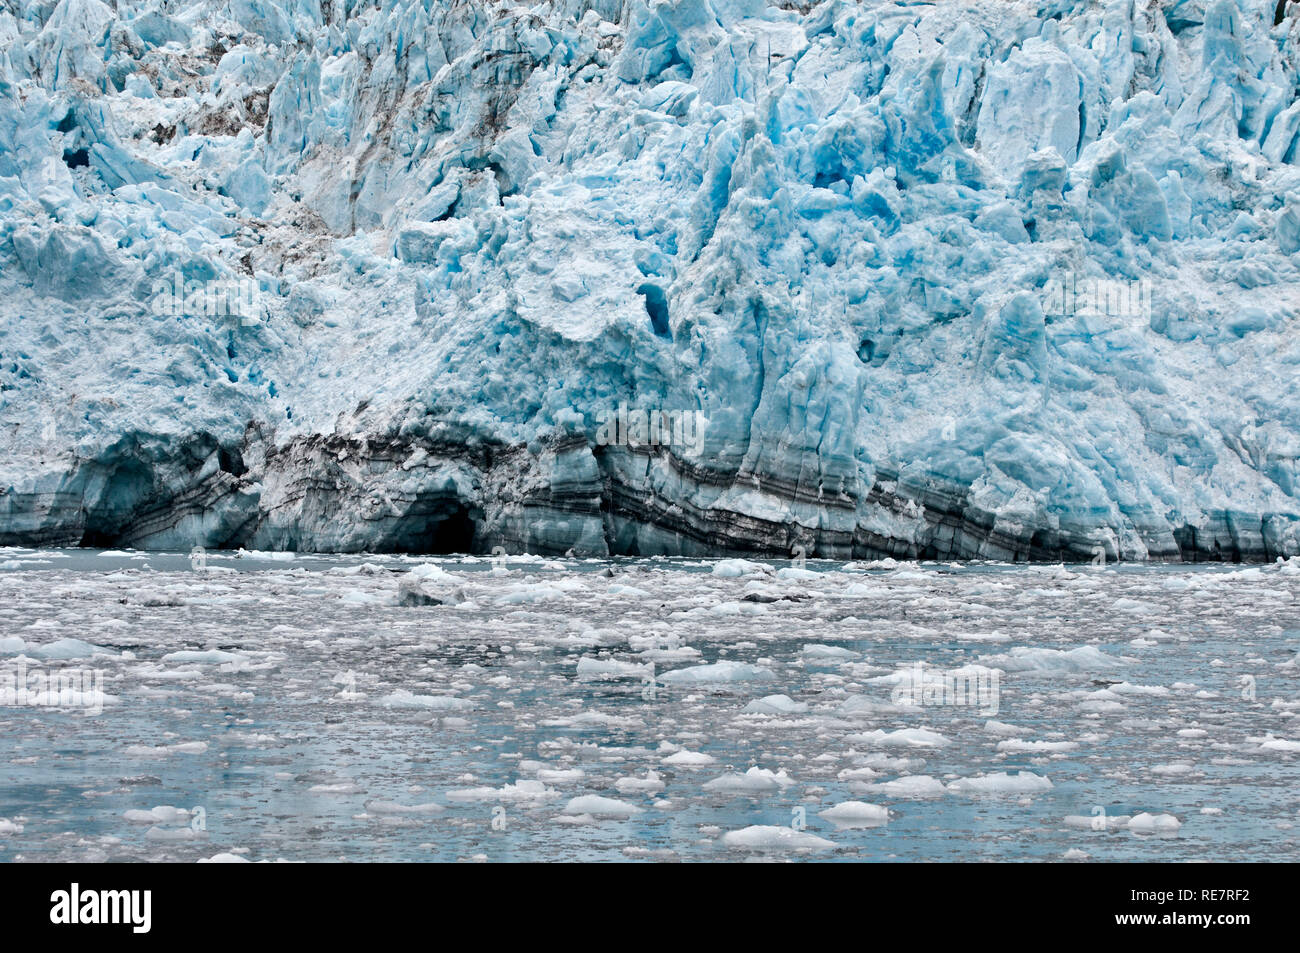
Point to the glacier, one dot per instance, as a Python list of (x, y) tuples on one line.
[(1002, 279)]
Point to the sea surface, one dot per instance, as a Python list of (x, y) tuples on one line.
[(267, 707)]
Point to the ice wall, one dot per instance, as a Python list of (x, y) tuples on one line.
[(1008, 279)]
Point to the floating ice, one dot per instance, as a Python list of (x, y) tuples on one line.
[(775, 705), (729, 568), (901, 738), (380, 806), (1017, 746), (717, 672), (610, 668), (157, 815), (598, 806), (172, 834), (1085, 658), (689, 759), (345, 778), (912, 786), (818, 652), (1002, 782), (650, 784), (405, 699), (524, 790), (66, 649), (848, 814), (1154, 823), (754, 781), (770, 838), (213, 657), (163, 751)]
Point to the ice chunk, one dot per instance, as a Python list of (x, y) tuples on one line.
[(776, 705), (598, 806), (1145, 823), (848, 814), (1085, 658), (912, 786), (689, 759), (406, 699), (769, 838), (1002, 782), (754, 781), (717, 672)]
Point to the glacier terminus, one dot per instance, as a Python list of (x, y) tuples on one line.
[(976, 280)]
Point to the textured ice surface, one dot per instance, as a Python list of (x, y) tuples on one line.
[(271, 709), (449, 239)]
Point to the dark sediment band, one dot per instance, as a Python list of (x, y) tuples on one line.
[(387, 494)]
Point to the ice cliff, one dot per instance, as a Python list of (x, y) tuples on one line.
[(1011, 279)]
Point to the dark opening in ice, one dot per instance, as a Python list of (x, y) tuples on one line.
[(656, 306)]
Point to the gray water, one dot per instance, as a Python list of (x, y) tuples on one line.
[(334, 724)]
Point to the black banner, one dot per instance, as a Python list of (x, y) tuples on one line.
[(1221, 903)]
